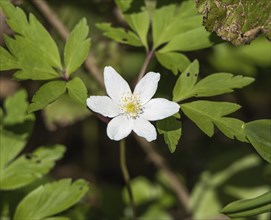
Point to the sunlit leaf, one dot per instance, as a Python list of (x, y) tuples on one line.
[(258, 134), (120, 34), (186, 81), (138, 19), (206, 114), (125, 5), (7, 61), (249, 207), (30, 167), (161, 24), (232, 128), (77, 47), (174, 61), (141, 28), (51, 199), (171, 129), (178, 19), (42, 59), (237, 21), (46, 94), (214, 84), (77, 90), (139, 22), (189, 41), (219, 83)]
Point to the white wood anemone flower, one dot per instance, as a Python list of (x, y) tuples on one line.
[(131, 111)]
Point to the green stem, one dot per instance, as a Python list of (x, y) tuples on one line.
[(126, 176)]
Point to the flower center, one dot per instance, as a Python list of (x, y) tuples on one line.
[(131, 106)]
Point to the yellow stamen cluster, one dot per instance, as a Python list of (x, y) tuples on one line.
[(131, 106)]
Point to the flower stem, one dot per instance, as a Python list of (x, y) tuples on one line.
[(145, 64), (126, 176)]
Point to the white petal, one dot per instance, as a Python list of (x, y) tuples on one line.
[(147, 86), (145, 129), (103, 105), (115, 85), (159, 108), (119, 127)]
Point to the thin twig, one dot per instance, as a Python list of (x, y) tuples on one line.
[(52, 18), (160, 163), (145, 64), (56, 23), (126, 176)]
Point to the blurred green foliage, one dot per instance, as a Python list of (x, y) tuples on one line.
[(216, 171), (246, 59)]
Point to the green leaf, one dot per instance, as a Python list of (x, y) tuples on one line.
[(34, 61), (51, 199), (214, 84), (146, 192), (171, 129), (249, 207), (241, 192), (176, 62), (165, 28), (64, 111), (77, 90), (124, 5), (16, 107), (232, 128), (17, 126), (7, 61), (57, 218), (237, 21), (161, 23), (186, 81), (46, 94), (143, 189), (219, 83), (77, 47), (138, 20), (206, 114), (1, 115), (120, 35), (189, 41), (11, 145), (258, 134), (32, 64), (155, 211), (29, 167)]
